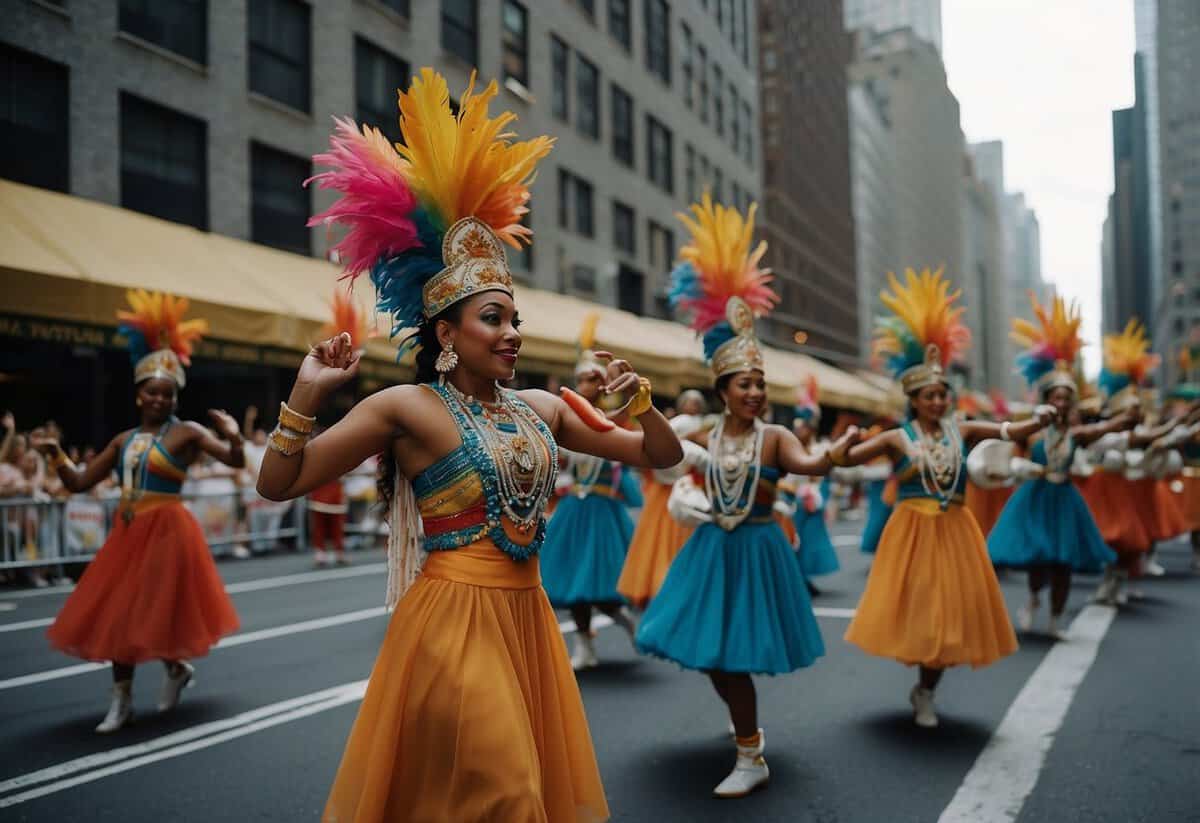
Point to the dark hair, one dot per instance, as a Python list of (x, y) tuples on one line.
[(723, 382), (428, 349)]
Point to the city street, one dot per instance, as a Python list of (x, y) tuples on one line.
[(1104, 728)]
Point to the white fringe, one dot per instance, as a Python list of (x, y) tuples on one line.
[(405, 538)]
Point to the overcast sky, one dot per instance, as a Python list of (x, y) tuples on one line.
[(1044, 77)]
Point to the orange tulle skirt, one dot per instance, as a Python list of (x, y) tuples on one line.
[(472, 711), (932, 597), (986, 504), (656, 540), (1164, 517), (151, 593), (1190, 499), (1116, 504)]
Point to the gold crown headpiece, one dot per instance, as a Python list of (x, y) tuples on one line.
[(475, 262), (742, 351)]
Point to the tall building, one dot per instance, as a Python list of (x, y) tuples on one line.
[(208, 113), (1178, 97), (1146, 81), (983, 281), (924, 17), (808, 221), (1130, 279)]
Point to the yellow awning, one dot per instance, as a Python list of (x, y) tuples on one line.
[(72, 259)]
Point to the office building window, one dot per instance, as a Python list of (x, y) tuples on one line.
[(564, 199), (719, 100), (180, 26), (588, 7), (745, 44), (281, 51), (735, 119), (622, 126), (685, 48), (718, 186), (587, 90), (662, 247), (658, 155), (460, 29), (736, 195), (702, 75), (377, 77), (164, 162), (575, 204), (516, 42), (689, 172), (523, 259), (748, 139), (618, 22), (624, 228), (33, 120), (559, 96), (401, 7), (706, 173), (280, 203), (631, 287), (583, 278), (658, 39)]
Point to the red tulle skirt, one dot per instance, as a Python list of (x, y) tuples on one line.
[(986, 504), (1116, 503), (151, 593)]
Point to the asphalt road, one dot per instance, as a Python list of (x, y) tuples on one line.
[(259, 736)]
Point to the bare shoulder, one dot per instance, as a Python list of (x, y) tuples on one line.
[(541, 401)]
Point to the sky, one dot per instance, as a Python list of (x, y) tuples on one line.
[(1044, 77)]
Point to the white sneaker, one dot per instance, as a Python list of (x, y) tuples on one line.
[(585, 653), (120, 710), (320, 558), (1106, 594), (1052, 629), (241, 552), (750, 772), (173, 686), (1025, 614), (1153, 568), (625, 620), (922, 703)]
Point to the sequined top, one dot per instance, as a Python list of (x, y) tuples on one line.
[(151, 468), (459, 496), (908, 473), (1060, 471)]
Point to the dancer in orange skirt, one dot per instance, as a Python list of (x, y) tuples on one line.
[(986, 504), (152, 592), (932, 599), (658, 537), (472, 711)]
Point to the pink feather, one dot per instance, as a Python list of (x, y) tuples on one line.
[(376, 203)]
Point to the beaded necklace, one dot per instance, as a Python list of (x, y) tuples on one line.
[(940, 459), (733, 461), (1059, 445)]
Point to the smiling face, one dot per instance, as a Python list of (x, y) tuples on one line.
[(485, 338), (157, 397), (1061, 398), (745, 394), (930, 403)]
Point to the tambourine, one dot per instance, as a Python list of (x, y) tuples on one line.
[(688, 503), (989, 464)]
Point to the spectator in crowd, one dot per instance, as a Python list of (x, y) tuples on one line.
[(327, 523)]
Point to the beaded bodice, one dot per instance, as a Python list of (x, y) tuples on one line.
[(1055, 450), (144, 464), (464, 496), (908, 468)]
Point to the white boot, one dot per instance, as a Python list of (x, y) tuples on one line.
[(1120, 596), (120, 710), (749, 772), (1106, 594), (624, 619), (1052, 629), (174, 684), (1152, 567), (922, 703), (585, 652), (1025, 614)]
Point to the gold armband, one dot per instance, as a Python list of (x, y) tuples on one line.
[(286, 442), (294, 420), (835, 460), (60, 459), (642, 402)]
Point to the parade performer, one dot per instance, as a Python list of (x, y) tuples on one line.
[(1046, 528), (152, 592), (658, 537), (816, 552), (734, 602), (588, 536), (472, 711), (881, 488), (932, 599), (985, 503)]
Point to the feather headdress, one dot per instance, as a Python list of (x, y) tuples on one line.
[(718, 286), (428, 218), (925, 333), (160, 340), (1051, 346), (1127, 362), (808, 406), (346, 316)]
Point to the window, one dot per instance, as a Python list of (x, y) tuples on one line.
[(662, 247), (736, 195), (689, 172), (702, 73), (377, 76), (559, 99), (622, 126), (658, 39), (523, 259), (460, 29), (516, 42), (280, 204), (658, 155), (745, 45), (685, 46), (706, 172), (587, 89), (33, 120), (735, 119), (164, 162), (718, 186), (631, 286), (280, 51), (564, 199), (588, 7), (180, 26), (624, 228), (748, 139), (401, 7), (618, 22), (719, 100), (583, 278), (575, 200)]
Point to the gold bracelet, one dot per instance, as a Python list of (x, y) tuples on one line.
[(285, 442), (60, 459), (642, 401), (835, 461), (294, 420)]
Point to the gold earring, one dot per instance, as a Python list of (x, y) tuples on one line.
[(447, 360)]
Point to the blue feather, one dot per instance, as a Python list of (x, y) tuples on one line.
[(1033, 368), (1110, 382), (684, 285), (139, 347), (399, 280), (714, 337)]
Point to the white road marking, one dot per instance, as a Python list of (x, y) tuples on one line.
[(8, 607), (25, 624), (831, 611), (1007, 769), (847, 540)]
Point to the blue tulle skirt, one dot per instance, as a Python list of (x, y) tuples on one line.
[(817, 554), (584, 550), (734, 602), (1047, 523), (877, 516)]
